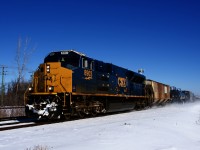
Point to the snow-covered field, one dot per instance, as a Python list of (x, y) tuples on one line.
[(173, 127)]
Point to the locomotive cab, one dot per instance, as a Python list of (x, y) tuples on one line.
[(51, 84)]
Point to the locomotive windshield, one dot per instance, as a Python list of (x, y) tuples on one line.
[(68, 59), (52, 57)]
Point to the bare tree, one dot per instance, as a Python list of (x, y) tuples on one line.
[(23, 53)]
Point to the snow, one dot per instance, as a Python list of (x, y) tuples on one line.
[(173, 127), (9, 122)]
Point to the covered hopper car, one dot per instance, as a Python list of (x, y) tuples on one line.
[(160, 92)]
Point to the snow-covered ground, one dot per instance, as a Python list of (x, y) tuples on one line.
[(173, 127)]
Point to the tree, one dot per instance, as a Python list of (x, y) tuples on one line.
[(23, 53)]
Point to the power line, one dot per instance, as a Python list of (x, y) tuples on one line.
[(3, 73)]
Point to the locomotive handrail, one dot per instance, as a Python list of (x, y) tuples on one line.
[(110, 95)]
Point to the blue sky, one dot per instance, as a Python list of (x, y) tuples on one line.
[(160, 36)]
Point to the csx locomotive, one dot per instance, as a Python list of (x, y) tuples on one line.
[(69, 83)]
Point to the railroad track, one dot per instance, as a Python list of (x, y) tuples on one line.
[(24, 123), (17, 124)]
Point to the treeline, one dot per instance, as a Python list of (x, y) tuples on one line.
[(14, 95)]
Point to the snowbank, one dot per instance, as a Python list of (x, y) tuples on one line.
[(173, 127)]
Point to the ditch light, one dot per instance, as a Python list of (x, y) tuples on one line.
[(51, 89)]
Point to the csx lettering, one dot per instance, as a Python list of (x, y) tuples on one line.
[(88, 74), (121, 82)]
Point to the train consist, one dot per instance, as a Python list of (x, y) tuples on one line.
[(69, 83)]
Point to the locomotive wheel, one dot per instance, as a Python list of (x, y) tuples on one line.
[(58, 113), (51, 116), (94, 113), (81, 114), (66, 117)]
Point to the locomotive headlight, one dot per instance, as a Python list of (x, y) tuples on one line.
[(51, 88), (30, 89), (48, 68)]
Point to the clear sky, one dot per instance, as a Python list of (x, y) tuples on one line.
[(160, 36)]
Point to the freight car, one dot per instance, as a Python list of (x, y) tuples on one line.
[(179, 96), (69, 83), (160, 92), (189, 96)]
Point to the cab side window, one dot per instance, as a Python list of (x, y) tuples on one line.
[(84, 63), (92, 65)]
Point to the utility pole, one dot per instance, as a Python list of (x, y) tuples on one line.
[(3, 73)]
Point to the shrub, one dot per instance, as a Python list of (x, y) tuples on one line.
[(39, 147)]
